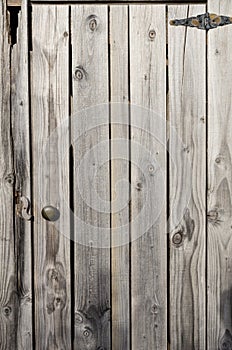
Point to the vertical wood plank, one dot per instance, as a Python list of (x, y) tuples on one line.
[(219, 269), (50, 107), (90, 140), (187, 154), (120, 255), (148, 177), (8, 277), (21, 135)]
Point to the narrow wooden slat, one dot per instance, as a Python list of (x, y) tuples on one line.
[(8, 276), (20, 134), (50, 108), (219, 325), (123, 1), (187, 154), (148, 177), (90, 141), (120, 255)]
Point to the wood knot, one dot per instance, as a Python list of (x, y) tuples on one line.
[(155, 309), (226, 341), (186, 149), (54, 274), (92, 22), (78, 318), (86, 333), (151, 169), (65, 34), (56, 289), (139, 186), (10, 179), (80, 73), (213, 217), (7, 311), (152, 34), (177, 238)]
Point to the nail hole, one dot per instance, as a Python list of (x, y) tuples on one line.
[(152, 34)]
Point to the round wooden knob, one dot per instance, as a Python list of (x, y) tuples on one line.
[(50, 213)]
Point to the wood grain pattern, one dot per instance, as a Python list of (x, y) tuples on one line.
[(125, 1), (219, 183), (89, 26), (187, 152), (148, 177), (120, 191), (8, 277), (21, 139), (50, 107)]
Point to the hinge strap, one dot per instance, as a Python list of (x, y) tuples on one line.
[(205, 21)]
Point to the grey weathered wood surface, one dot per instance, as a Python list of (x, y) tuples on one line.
[(219, 182), (124, 1), (8, 273), (21, 148), (89, 28), (120, 191), (18, 2), (187, 152), (149, 244), (50, 107), (111, 45)]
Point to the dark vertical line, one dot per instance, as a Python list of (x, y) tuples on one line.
[(12, 165), (71, 194), (110, 170), (130, 199), (206, 189), (167, 185), (29, 33)]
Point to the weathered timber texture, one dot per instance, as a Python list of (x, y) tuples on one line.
[(89, 28), (148, 177), (121, 1), (120, 191), (219, 267), (50, 108), (110, 289), (187, 181), (9, 303), (21, 147)]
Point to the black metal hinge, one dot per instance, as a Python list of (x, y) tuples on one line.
[(205, 21)]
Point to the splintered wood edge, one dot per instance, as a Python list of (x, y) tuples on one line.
[(14, 2)]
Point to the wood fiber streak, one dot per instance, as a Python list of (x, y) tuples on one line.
[(8, 278), (187, 158), (120, 255), (50, 144), (21, 140), (219, 183), (90, 141)]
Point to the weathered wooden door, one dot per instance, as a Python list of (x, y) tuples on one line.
[(116, 177)]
